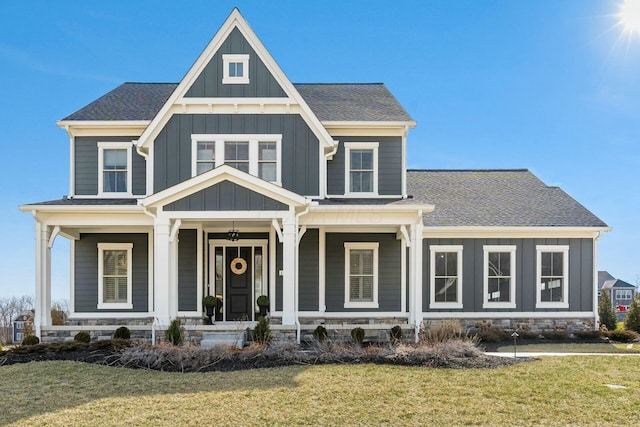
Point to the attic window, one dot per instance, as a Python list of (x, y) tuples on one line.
[(235, 69)]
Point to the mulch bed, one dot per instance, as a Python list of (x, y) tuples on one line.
[(110, 352)]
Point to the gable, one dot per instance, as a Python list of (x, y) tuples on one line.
[(226, 196), (261, 84)]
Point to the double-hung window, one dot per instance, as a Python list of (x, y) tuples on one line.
[(258, 155), (499, 276), (361, 168), (624, 294), (235, 69), (361, 275), (114, 169), (552, 270), (445, 276), (114, 276)]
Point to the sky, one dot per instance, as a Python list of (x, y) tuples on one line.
[(552, 86)]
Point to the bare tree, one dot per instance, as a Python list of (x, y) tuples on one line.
[(9, 309)]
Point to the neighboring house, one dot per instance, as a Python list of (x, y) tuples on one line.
[(620, 292), (237, 182), (18, 325)]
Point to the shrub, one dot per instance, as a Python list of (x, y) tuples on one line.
[(525, 335), (122, 333), (606, 313), (30, 340), (320, 333), (173, 334), (444, 331), (82, 336), (555, 335), (632, 320), (357, 335), (262, 331), (263, 301), (623, 336), (209, 301), (589, 334), (395, 334)]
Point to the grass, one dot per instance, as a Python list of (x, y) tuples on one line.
[(571, 348), (554, 391)]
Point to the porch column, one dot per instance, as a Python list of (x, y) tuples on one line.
[(289, 242), (415, 275), (43, 278), (161, 272)]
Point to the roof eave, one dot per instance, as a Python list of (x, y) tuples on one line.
[(80, 208), (102, 123), (368, 124)]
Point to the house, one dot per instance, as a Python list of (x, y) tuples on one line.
[(19, 323), (236, 182), (620, 293)]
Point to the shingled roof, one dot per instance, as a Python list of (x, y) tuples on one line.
[(330, 102)]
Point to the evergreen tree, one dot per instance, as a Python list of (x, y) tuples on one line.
[(606, 313), (632, 321)]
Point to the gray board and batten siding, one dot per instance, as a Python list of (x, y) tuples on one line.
[(261, 84), (188, 270), (389, 165), (86, 165), (580, 273), (300, 149), (226, 196), (308, 271), (389, 270), (86, 271)]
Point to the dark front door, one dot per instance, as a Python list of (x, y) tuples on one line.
[(239, 272)]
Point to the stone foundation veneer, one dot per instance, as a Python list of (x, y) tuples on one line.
[(531, 325)]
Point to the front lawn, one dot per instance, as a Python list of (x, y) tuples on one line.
[(571, 348), (554, 391)]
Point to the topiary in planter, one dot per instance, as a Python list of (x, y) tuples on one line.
[(82, 336), (357, 335), (262, 331), (320, 334), (122, 333), (31, 340), (173, 334), (395, 334)]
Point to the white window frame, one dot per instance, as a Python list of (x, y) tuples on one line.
[(624, 291), (234, 80), (114, 146), (117, 247), (564, 249), (348, 246), (348, 146), (254, 140), (433, 249), (511, 249)]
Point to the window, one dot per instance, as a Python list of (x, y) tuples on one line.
[(552, 266), (114, 175), (114, 275), (361, 176), (19, 326), (258, 155), (499, 276), (446, 277), (361, 275), (19, 337), (235, 69), (624, 294)]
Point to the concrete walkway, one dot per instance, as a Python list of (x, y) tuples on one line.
[(543, 354)]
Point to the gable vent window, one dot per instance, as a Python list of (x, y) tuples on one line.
[(258, 155), (114, 164), (235, 69), (361, 168)]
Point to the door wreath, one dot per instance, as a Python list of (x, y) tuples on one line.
[(238, 266)]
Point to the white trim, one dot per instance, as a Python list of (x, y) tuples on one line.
[(432, 279), (512, 232), (272, 269), (107, 145), (348, 246), (564, 250), (367, 124), (404, 243), (72, 162), (254, 141), (352, 314), (348, 146), (118, 247), (72, 276), (235, 58), (322, 265), (511, 250), (111, 315), (509, 315), (150, 260)]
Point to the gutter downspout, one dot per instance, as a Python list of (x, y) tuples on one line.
[(297, 269), (595, 280), (327, 157)]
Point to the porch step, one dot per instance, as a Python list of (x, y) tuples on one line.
[(234, 338)]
